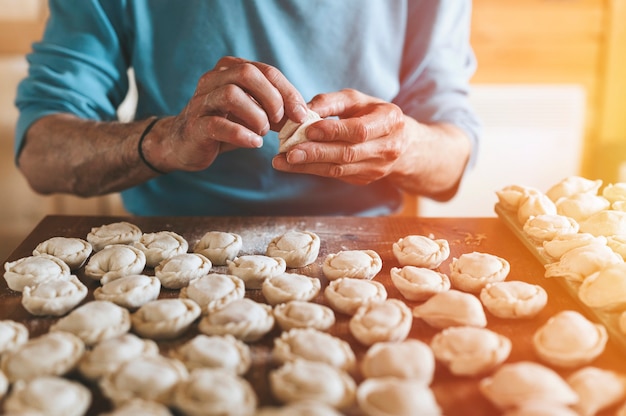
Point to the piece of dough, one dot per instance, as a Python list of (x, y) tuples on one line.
[(135, 407), (160, 246), (597, 389), (147, 377), (303, 408), (615, 192), (607, 223), (13, 334), (360, 264), (418, 283), (569, 340), (108, 355), (312, 380), (346, 295), (290, 286), (394, 396), (573, 185), (579, 263), (214, 290), (297, 248), (514, 384), (244, 318), (115, 261), (546, 227), (95, 321), (294, 133), (165, 318), (50, 354), (219, 246), (73, 251), (32, 270), (581, 206), (389, 320), (121, 232), (253, 269), (452, 308), (217, 351), (561, 244), (470, 351), (534, 204), (313, 345), (54, 297), (178, 271), (410, 359), (421, 251), (50, 396), (511, 196), (470, 272), (513, 299), (130, 291), (303, 314), (605, 289)]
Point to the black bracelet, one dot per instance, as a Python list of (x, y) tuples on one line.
[(139, 145)]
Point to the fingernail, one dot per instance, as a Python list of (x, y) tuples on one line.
[(300, 112), (296, 156), (256, 141), (314, 133)]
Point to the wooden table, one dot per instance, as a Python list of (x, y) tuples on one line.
[(456, 395)]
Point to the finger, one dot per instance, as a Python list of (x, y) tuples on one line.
[(382, 151), (221, 129), (293, 102)]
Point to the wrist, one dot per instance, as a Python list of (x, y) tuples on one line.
[(149, 146)]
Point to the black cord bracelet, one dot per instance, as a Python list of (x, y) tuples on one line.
[(139, 145)]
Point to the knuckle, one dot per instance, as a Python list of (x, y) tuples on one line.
[(349, 155)]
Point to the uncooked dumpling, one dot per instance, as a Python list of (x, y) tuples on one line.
[(115, 261), (165, 318), (421, 251), (54, 297), (511, 196), (130, 291), (346, 295), (514, 384), (12, 335), (615, 192), (52, 396), (418, 283), (597, 389), (32, 270), (389, 396), (389, 320), (581, 262), (178, 271), (605, 289), (469, 351), (219, 246), (470, 272), (452, 308), (411, 359), (294, 133), (303, 314), (217, 351), (568, 340), (290, 286), (534, 204), (617, 244), (573, 185), (115, 233), (561, 244), (160, 246), (214, 290), (297, 248), (244, 318), (581, 206), (253, 269), (135, 407), (73, 251), (360, 264), (608, 222), (546, 227), (513, 299)]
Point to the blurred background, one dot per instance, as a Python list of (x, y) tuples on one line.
[(550, 90)]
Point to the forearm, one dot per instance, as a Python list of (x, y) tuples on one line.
[(433, 161), (65, 154)]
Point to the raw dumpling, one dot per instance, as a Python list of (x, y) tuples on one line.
[(134, 407), (303, 408), (130, 291), (115, 261), (421, 251), (244, 318), (513, 299), (581, 206), (53, 396), (561, 244), (147, 377), (597, 389), (214, 290), (115, 233), (297, 248), (217, 351), (546, 227), (569, 340), (452, 308), (615, 192), (290, 286), (573, 185), (211, 391), (607, 223), (32, 270), (605, 289), (313, 345), (511, 196), (178, 271), (534, 204), (219, 246), (165, 318), (470, 351), (418, 283), (394, 396), (253, 269), (95, 321), (302, 314), (160, 246), (389, 320), (579, 263), (360, 264), (346, 295), (514, 384), (73, 251), (312, 380), (109, 354), (12, 335), (54, 297), (472, 271), (617, 244), (294, 133), (411, 359)]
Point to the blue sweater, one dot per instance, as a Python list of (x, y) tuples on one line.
[(415, 53)]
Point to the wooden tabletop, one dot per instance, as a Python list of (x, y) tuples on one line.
[(456, 395)]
